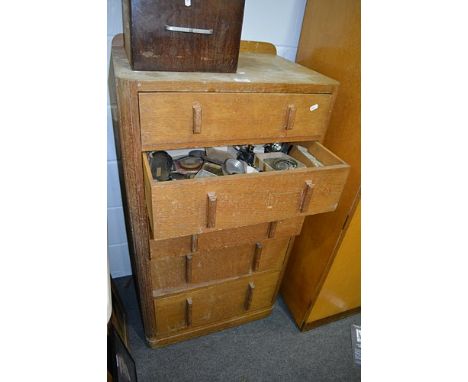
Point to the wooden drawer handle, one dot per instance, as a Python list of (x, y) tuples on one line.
[(290, 117), (188, 311), (194, 243), (197, 117), (211, 210), (272, 229), (257, 256), (306, 195), (248, 300), (188, 268)]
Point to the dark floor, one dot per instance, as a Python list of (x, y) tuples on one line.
[(271, 349)]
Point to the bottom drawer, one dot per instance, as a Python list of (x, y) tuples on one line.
[(215, 303)]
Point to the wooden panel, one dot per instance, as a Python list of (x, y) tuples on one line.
[(136, 214), (167, 118), (257, 47), (341, 290), (225, 238), (214, 303), (255, 73), (154, 47), (330, 43), (245, 199), (218, 264), (209, 328)]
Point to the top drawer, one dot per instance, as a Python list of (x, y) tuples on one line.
[(192, 119)]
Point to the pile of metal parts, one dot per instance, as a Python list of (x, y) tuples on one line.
[(221, 161)]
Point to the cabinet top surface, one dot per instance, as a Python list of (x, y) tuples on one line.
[(255, 72)]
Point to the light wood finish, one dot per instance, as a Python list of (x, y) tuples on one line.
[(183, 206), (341, 290), (202, 249), (257, 47), (126, 131), (330, 43), (226, 238), (171, 273), (214, 303), (189, 333), (255, 73), (235, 117)]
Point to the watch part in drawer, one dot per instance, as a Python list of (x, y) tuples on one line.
[(234, 166), (276, 161), (161, 165)]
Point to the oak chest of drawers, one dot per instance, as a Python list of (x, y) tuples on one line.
[(210, 253)]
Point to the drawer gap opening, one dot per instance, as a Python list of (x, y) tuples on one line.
[(207, 163)]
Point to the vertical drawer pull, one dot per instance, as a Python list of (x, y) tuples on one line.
[(211, 210), (188, 311), (248, 300), (290, 117), (197, 117), (307, 195), (188, 268), (194, 243), (272, 229), (257, 256)]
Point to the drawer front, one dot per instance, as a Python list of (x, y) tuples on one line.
[(214, 303), (194, 119), (225, 238), (204, 266), (210, 204)]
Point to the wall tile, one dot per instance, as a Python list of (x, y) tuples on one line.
[(114, 17), (287, 52), (119, 260), (114, 195), (111, 153), (278, 22), (116, 233)]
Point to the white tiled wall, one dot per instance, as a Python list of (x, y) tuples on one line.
[(275, 21)]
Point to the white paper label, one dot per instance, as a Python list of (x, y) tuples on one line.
[(314, 107)]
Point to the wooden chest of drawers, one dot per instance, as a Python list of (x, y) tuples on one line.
[(210, 253)]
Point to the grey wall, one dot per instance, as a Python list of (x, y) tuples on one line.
[(275, 21)]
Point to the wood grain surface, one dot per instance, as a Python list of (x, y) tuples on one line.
[(242, 200), (167, 118), (255, 73), (331, 43), (153, 47), (214, 303), (170, 273), (132, 182), (225, 238)]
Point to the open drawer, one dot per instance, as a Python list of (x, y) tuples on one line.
[(192, 206)]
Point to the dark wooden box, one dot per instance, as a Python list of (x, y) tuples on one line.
[(183, 35)]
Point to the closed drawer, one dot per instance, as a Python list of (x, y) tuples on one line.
[(225, 238), (222, 263), (215, 303), (192, 119), (185, 207)]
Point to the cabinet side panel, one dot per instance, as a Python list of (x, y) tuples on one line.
[(342, 288), (134, 194), (330, 43)]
